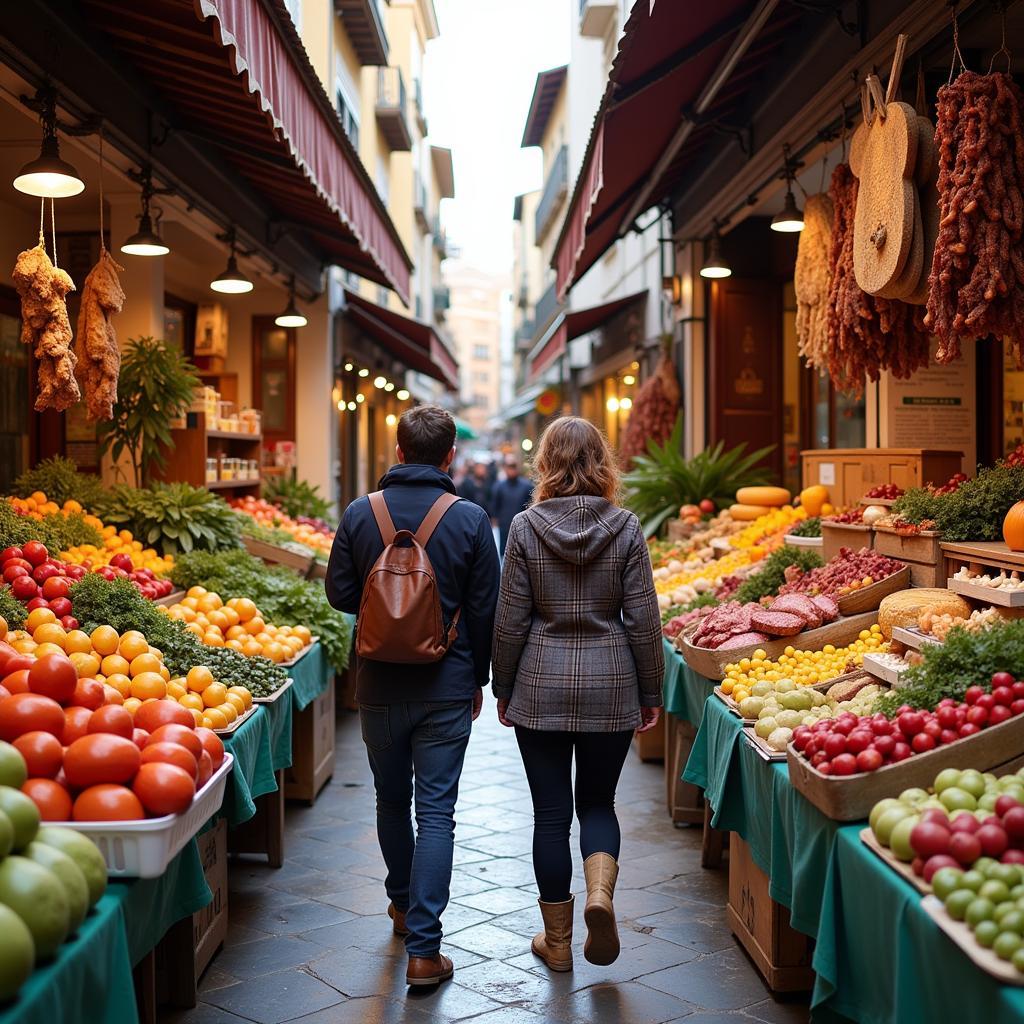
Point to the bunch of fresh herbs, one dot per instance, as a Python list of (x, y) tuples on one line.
[(809, 527), (60, 480), (12, 611), (297, 498)]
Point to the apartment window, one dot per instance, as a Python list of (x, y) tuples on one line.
[(481, 400), (348, 116), (482, 377), (481, 352)]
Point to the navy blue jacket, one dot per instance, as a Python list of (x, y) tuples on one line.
[(465, 563), (508, 499)]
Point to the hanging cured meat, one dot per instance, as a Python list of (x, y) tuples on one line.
[(42, 288), (866, 334), (654, 410), (810, 281), (976, 286), (99, 358)]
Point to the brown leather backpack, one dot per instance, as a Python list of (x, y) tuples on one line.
[(400, 615)]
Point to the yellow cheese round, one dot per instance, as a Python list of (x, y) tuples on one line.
[(905, 607), (775, 497), (747, 513)]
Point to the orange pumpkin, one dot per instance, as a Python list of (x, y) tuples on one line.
[(1013, 527)]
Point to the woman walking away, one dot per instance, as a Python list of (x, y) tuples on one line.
[(578, 665)]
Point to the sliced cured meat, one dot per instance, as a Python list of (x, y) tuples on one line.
[(799, 604), (777, 623), (743, 640), (829, 608)]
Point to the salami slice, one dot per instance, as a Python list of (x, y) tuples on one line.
[(777, 623)]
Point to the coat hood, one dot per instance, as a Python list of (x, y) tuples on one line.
[(577, 529), (416, 475)]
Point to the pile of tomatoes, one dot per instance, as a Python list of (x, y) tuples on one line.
[(97, 761)]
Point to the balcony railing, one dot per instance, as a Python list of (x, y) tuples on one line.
[(392, 117), (546, 308), (419, 202), (442, 299), (555, 191), (439, 237), (417, 99)]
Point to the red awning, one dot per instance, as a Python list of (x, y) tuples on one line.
[(666, 54), (415, 344), (575, 324), (237, 75)]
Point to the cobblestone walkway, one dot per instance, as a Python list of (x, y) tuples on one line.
[(311, 941)]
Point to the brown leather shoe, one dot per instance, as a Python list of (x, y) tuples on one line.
[(428, 970), (398, 916)]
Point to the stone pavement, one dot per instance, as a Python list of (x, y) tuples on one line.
[(311, 942)]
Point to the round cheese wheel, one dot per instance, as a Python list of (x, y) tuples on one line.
[(773, 496), (905, 607), (747, 513)]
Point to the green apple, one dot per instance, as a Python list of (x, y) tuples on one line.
[(973, 880), (899, 838), (914, 796), (945, 881), (946, 779), (1006, 944), (985, 933), (957, 903), (765, 727), (978, 910), (987, 802), (889, 820), (973, 782), (750, 707), (956, 799), (880, 808)]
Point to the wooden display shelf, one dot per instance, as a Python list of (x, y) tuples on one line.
[(272, 554), (194, 443), (229, 485), (986, 595), (981, 556), (235, 435)]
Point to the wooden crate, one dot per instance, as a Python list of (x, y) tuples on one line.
[(867, 599), (921, 552), (835, 536), (981, 556), (780, 953), (274, 555), (191, 943), (312, 748), (685, 801), (650, 745)]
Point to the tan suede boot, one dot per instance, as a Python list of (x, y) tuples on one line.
[(602, 944), (554, 944)]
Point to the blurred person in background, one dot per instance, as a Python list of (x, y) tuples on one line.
[(510, 496), (474, 487)]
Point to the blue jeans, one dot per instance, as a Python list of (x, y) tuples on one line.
[(428, 742)]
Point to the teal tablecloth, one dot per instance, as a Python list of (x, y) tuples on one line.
[(879, 959), (683, 690), (253, 772), (311, 674), (90, 980)]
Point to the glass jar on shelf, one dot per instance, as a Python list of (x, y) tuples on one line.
[(211, 470)]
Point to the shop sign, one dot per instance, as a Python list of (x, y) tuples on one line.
[(548, 402)]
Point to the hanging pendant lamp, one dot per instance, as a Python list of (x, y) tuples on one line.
[(292, 315), (48, 176), (146, 241), (231, 281)]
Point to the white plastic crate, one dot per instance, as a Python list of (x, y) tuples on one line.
[(143, 849)]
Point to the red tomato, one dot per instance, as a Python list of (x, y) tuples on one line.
[(111, 719), (205, 769), (28, 712), (180, 734), (164, 788), (154, 713), (42, 752), (12, 552), (12, 572), (53, 676), (76, 725), (17, 682), (212, 744), (107, 803), (35, 552), (112, 695), (140, 737), (171, 753), (52, 799), (54, 587), (100, 757), (88, 694)]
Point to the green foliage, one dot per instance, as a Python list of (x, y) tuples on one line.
[(965, 659), (810, 527), (663, 479), (12, 610), (57, 532), (173, 517), (96, 601), (281, 596), (59, 479), (706, 600), (297, 497), (974, 511), (156, 386), (270, 535), (772, 574)]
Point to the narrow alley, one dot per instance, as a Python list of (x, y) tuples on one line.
[(311, 942)]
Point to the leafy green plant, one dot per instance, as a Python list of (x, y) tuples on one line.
[(664, 479), (965, 659), (810, 527), (173, 517), (281, 596), (57, 532), (156, 386), (772, 574), (60, 480), (297, 497), (12, 610), (974, 511)]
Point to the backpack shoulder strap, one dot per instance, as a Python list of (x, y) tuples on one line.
[(434, 516), (384, 522)]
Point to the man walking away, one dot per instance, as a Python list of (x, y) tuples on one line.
[(474, 487), (511, 496), (416, 718)]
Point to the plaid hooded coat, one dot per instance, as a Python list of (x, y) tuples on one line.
[(577, 637)]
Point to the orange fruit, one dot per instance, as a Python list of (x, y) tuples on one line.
[(165, 673), (197, 717), (157, 653), (216, 719), (50, 633), (132, 704), (104, 640), (243, 692), (199, 678), (121, 683), (235, 701), (228, 710), (254, 625), (246, 609), (147, 685), (235, 632), (294, 644), (212, 639), (276, 652), (303, 633), (192, 701), (191, 603), (196, 592), (78, 641), (42, 650), (144, 663), (218, 619), (235, 645), (210, 603), (263, 638), (25, 646), (86, 665), (232, 617), (114, 664), (203, 719), (132, 644), (251, 648), (3, 627), (196, 629), (214, 694), (175, 689)]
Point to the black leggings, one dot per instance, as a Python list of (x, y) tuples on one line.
[(548, 758)]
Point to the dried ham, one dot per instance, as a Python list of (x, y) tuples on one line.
[(99, 358), (810, 281)]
